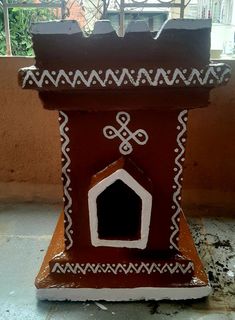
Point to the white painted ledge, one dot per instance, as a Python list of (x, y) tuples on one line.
[(187, 24), (56, 27), (123, 294), (103, 27)]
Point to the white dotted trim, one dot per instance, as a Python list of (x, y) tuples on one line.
[(66, 179), (178, 169), (139, 77), (148, 268)]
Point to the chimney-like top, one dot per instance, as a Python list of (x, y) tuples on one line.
[(176, 59), (63, 44)]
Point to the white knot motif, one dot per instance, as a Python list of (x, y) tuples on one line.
[(124, 134)]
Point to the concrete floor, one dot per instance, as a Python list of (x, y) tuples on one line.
[(25, 232)]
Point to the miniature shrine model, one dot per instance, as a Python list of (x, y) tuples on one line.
[(123, 105)]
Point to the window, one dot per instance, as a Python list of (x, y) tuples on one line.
[(222, 13), (153, 19)]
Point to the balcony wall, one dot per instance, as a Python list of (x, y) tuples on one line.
[(30, 146)]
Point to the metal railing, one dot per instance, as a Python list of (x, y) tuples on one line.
[(140, 4), (92, 10)]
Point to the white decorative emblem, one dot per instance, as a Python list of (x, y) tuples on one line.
[(124, 134)]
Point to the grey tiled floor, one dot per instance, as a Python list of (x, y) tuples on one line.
[(25, 231)]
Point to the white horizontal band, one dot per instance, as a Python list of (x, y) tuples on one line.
[(56, 27), (123, 294), (186, 24)]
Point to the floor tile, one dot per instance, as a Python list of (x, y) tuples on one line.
[(219, 234), (20, 261), (28, 219)]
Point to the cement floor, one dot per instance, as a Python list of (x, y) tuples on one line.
[(25, 232)]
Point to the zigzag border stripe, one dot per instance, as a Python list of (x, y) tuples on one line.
[(138, 268), (210, 76)]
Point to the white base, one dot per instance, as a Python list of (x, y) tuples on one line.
[(126, 294)]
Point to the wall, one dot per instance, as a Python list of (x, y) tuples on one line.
[(30, 145), (210, 161)]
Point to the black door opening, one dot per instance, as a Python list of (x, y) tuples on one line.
[(119, 213)]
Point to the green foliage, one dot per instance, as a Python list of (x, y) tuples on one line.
[(20, 21), (2, 36)]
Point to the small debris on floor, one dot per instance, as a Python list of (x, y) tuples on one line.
[(101, 306)]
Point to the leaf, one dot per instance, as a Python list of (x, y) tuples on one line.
[(20, 21)]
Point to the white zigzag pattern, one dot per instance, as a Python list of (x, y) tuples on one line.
[(182, 118), (161, 77), (123, 268), (67, 161)]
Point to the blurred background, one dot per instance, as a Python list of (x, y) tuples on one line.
[(17, 15)]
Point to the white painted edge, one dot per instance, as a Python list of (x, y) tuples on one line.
[(103, 27), (56, 27), (123, 294), (137, 26), (186, 24), (146, 198)]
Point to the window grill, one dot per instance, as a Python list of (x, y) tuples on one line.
[(119, 12), (89, 11)]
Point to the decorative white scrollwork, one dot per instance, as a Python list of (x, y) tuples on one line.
[(177, 186), (66, 162), (124, 134)]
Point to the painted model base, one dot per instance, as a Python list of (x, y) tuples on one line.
[(151, 293), (68, 283)]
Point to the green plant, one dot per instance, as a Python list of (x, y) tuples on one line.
[(2, 36), (20, 21)]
